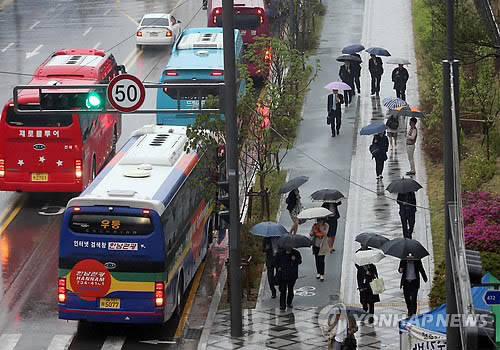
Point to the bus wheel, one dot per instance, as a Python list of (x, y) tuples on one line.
[(93, 173), (178, 310)]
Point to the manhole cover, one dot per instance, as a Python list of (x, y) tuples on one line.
[(51, 210)]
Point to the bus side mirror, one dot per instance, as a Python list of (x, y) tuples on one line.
[(121, 69)]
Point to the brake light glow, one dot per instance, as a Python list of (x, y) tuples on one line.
[(168, 33), (78, 168), (217, 73), (61, 290), (218, 11), (171, 73), (145, 212), (2, 167), (214, 19), (76, 209), (139, 33), (267, 56), (159, 294), (261, 19)]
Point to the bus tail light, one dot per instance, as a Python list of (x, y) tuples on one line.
[(2, 167), (159, 294), (267, 55), (145, 212), (215, 19), (78, 168), (217, 73), (61, 290), (218, 11), (171, 73), (139, 33), (168, 33), (260, 12)]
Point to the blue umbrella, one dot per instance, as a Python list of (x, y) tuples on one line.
[(393, 102), (353, 49), (372, 129), (268, 229), (379, 51)]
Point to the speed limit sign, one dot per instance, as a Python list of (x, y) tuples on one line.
[(126, 93)]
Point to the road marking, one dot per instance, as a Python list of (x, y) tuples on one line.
[(7, 222), (129, 56), (119, 9), (107, 12), (35, 52), (131, 63), (87, 31), (60, 342), (9, 341), (34, 25), (7, 47), (189, 302), (113, 343), (97, 45)]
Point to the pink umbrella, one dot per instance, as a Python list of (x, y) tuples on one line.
[(337, 85)]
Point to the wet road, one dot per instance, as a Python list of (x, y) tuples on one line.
[(29, 32)]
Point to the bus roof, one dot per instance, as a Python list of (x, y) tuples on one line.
[(201, 48), (146, 173), (32, 96), (241, 3)]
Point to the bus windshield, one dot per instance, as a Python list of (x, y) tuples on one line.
[(41, 120), (191, 93), (243, 21), (106, 224)]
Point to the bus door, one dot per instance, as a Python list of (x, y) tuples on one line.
[(40, 149)]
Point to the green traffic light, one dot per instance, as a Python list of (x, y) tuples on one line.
[(94, 100)]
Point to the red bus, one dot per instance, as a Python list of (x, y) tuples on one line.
[(58, 152), (250, 17)]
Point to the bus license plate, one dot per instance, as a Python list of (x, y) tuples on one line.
[(40, 177), (109, 303)]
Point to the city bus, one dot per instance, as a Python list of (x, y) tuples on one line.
[(60, 152), (131, 243), (251, 17), (197, 56)]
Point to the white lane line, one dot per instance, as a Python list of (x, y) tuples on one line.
[(7, 47), (9, 341), (60, 342), (87, 31), (107, 12), (113, 343), (34, 25), (97, 45)]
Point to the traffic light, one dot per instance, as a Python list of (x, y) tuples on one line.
[(223, 199), (92, 100)]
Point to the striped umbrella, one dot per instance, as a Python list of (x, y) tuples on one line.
[(407, 111), (394, 102)]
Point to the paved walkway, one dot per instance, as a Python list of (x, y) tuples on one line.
[(369, 208)]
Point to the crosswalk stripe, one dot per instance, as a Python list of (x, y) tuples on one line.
[(60, 342), (113, 343), (9, 341)]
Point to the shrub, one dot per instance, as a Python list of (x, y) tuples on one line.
[(476, 170)]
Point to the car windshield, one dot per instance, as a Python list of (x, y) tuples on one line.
[(159, 21)]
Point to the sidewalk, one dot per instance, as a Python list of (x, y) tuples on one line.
[(369, 207)]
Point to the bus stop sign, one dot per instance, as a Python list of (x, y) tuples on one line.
[(492, 297), (126, 93)]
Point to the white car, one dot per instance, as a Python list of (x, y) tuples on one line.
[(157, 29)]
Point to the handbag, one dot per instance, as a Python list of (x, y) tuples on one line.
[(328, 120), (377, 286)]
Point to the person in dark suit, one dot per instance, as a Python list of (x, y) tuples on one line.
[(378, 149), (267, 247), (407, 208), (346, 74), (287, 262), (376, 68), (365, 275), (332, 222), (335, 111), (356, 67), (411, 270), (400, 77)]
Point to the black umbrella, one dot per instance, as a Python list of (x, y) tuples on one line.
[(294, 183), (327, 195), (379, 51), (371, 239), (268, 229), (343, 58), (405, 248), (403, 185), (294, 241), (353, 49)]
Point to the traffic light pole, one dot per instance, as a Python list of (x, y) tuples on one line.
[(232, 166)]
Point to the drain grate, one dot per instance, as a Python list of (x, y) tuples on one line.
[(193, 333)]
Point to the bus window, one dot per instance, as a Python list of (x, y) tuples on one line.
[(242, 21), (111, 224), (42, 120)]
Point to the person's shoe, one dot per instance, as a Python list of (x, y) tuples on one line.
[(282, 308), (359, 92), (318, 275), (338, 131), (273, 295), (372, 94), (322, 278), (377, 94), (289, 305), (333, 134), (381, 177), (410, 173)]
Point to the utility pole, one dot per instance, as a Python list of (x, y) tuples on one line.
[(453, 336), (232, 166)]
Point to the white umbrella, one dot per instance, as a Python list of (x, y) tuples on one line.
[(365, 257), (314, 213)]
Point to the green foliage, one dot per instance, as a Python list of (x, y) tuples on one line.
[(437, 296), (476, 170)]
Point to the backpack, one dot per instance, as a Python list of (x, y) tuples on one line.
[(392, 123)]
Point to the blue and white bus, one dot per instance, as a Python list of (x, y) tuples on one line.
[(197, 56), (131, 243)]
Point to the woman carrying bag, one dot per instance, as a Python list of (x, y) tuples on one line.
[(320, 246), (365, 275)]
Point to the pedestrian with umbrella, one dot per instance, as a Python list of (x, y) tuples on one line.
[(407, 209), (411, 269), (331, 201), (370, 239), (411, 140), (320, 246), (399, 78), (346, 74), (334, 109), (287, 263), (378, 149), (376, 68), (271, 231), (366, 274), (294, 206), (356, 68)]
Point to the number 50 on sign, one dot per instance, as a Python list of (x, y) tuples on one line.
[(126, 93)]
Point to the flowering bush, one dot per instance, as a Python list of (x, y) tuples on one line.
[(481, 213)]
